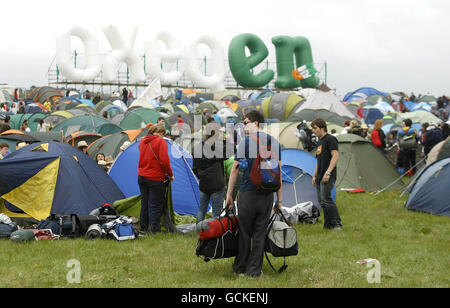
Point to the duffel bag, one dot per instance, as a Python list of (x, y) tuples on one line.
[(281, 240), (224, 246), (214, 227), (218, 237)]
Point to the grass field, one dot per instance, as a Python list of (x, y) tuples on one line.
[(412, 249)]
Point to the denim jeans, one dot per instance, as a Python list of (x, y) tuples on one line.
[(152, 204), (330, 210), (216, 200)]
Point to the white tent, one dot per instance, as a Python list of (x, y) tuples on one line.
[(325, 100)]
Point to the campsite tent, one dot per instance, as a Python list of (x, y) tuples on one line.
[(311, 114), (361, 165), (429, 192), (281, 105), (87, 123), (76, 137), (185, 190), (420, 116), (439, 151), (139, 118), (371, 114), (297, 170), (12, 136), (44, 94), (110, 145), (325, 100), (362, 93), (55, 178)]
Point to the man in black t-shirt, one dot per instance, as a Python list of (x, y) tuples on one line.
[(325, 175)]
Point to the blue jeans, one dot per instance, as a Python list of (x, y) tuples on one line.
[(330, 211), (216, 200), (152, 204)]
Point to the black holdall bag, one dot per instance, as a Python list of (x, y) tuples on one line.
[(281, 240), (223, 246)]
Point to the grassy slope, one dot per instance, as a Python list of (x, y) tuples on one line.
[(411, 247)]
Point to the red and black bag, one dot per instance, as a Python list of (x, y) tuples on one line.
[(215, 227), (224, 245)]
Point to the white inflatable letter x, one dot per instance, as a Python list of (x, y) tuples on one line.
[(122, 53)]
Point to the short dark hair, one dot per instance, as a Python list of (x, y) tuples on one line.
[(408, 122), (160, 118), (4, 145), (320, 123), (254, 116)]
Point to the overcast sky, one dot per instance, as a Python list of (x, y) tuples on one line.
[(391, 45)]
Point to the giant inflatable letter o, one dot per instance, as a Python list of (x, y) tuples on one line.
[(122, 53), (64, 56), (173, 53), (241, 66), (215, 81), (286, 48)]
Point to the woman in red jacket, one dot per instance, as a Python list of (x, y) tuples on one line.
[(154, 170), (378, 136)]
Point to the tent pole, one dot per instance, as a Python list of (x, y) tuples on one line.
[(401, 176)]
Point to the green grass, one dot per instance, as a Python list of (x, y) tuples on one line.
[(412, 249)]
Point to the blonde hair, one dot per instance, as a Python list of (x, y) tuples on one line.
[(378, 124), (157, 129)]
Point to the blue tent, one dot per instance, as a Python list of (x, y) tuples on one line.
[(372, 114), (363, 92), (429, 192), (55, 178), (185, 190), (297, 170)]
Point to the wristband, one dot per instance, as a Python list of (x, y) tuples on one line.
[(278, 202), (327, 173)]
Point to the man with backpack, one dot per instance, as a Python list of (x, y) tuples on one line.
[(325, 174), (259, 156)]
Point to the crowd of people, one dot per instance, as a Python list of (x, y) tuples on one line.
[(406, 141)]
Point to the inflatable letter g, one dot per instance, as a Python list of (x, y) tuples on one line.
[(64, 56), (173, 53), (215, 81), (240, 65)]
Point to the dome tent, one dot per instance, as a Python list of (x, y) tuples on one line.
[(429, 192), (55, 178), (361, 165), (297, 169), (439, 151), (185, 190), (87, 123), (281, 105), (325, 100)]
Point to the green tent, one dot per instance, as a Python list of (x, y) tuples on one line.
[(419, 116), (139, 118), (281, 105), (361, 165), (87, 123)]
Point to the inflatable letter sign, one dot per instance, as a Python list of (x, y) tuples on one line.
[(241, 67)]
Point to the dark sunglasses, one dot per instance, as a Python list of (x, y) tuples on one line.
[(245, 122)]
